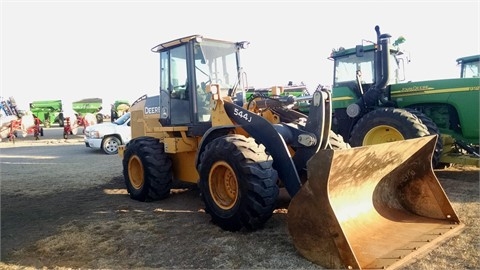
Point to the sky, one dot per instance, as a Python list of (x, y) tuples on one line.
[(71, 50)]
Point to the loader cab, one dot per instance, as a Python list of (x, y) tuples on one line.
[(187, 66)]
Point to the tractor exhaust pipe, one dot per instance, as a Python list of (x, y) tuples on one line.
[(377, 91), (371, 207)]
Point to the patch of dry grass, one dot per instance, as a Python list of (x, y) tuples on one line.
[(169, 235)]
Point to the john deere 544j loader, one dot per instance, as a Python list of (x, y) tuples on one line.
[(373, 206)]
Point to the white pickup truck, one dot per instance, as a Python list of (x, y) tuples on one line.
[(109, 136)]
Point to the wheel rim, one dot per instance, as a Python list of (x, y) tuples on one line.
[(223, 185), (382, 134), (111, 146), (135, 172)]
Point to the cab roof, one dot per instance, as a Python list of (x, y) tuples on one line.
[(183, 40), (472, 58), (174, 42)]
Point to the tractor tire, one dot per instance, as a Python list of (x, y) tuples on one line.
[(237, 183), (433, 130), (147, 169), (110, 145), (386, 125)]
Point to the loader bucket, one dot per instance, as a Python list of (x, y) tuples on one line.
[(371, 207)]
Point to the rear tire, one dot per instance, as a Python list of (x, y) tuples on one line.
[(237, 183), (387, 125), (433, 130), (147, 169)]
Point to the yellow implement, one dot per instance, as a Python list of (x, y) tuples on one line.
[(371, 207)]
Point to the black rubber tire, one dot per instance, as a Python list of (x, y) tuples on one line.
[(41, 131), (433, 130), (61, 120), (147, 169), (110, 145), (406, 123), (256, 182)]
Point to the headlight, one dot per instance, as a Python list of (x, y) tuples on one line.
[(93, 134)]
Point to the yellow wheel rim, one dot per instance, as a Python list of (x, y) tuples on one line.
[(382, 134), (135, 172), (223, 185)]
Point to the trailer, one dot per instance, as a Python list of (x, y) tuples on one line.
[(48, 112)]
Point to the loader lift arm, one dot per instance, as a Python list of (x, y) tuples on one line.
[(308, 139)]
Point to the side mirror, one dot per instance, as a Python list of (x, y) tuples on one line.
[(359, 50)]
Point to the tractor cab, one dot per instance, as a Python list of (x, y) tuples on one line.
[(469, 66), (354, 68), (187, 66)]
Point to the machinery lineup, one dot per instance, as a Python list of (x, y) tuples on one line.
[(376, 204), (44, 113)]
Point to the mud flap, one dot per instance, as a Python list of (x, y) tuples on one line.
[(371, 207)]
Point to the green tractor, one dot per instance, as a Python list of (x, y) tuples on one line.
[(48, 111), (373, 103), (118, 108), (469, 66)]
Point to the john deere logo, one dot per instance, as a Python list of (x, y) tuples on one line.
[(416, 88)]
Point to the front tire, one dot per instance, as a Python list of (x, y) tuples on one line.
[(237, 183), (147, 169), (110, 145), (386, 125)]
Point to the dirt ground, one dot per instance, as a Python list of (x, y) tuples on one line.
[(65, 206)]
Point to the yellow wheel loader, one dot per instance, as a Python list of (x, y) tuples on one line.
[(367, 207)]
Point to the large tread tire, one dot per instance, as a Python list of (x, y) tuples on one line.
[(433, 130), (237, 183), (147, 169), (386, 125)]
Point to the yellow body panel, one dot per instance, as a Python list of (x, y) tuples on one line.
[(184, 167), (180, 145)]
